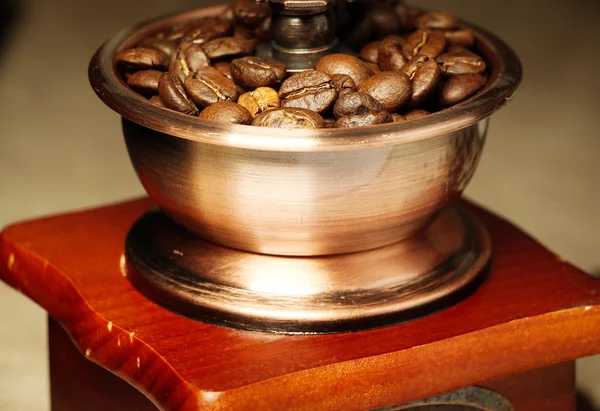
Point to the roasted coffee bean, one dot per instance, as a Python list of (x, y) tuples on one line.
[(344, 64), (174, 96), (250, 13), (245, 33), (156, 100), (372, 118), (435, 20), (226, 112), (461, 38), (356, 103), (289, 118), (259, 100), (310, 89), (207, 30), (424, 74), (428, 42), (224, 67), (208, 86), (145, 82), (391, 88), (402, 13), (390, 54), (415, 114), (142, 58), (176, 32), (460, 87), (189, 58), (459, 60), (369, 52), (384, 22), (228, 15), (373, 67), (228, 47), (343, 84), (168, 47), (252, 72), (398, 118)]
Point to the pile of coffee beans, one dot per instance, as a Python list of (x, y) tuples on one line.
[(407, 64)]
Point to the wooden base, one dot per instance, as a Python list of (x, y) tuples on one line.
[(534, 310), (80, 385)]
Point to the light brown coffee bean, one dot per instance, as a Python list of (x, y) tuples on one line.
[(391, 88), (371, 118), (226, 112), (369, 51), (390, 55), (344, 64), (174, 96), (424, 74), (415, 114), (310, 89), (259, 100), (208, 86), (460, 87), (189, 58), (252, 72), (435, 20), (289, 118), (142, 58), (459, 60), (145, 82), (461, 38), (428, 42), (228, 48)]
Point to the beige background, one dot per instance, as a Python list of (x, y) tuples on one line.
[(60, 148)]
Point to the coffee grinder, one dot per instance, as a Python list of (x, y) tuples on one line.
[(305, 231)]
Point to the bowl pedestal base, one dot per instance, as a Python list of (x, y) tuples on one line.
[(323, 294)]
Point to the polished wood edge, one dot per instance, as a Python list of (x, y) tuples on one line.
[(94, 336), (329, 387)]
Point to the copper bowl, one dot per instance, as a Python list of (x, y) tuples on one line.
[(298, 192)]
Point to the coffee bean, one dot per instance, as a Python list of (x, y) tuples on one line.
[(435, 19), (459, 60), (390, 54), (391, 88), (369, 51), (250, 13), (343, 84), (329, 123), (145, 82), (344, 64), (424, 74), (398, 118), (207, 30), (228, 15), (259, 100), (142, 58), (461, 38), (460, 87), (384, 22), (156, 100), (373, 67), (228, 47), (252, 72), (310, 89), (289, 118), (226, 112), (168, 47), (402, 13), (372, 118), (356, 103), (245, 33), (173, 95), (224, 67), (415, 114), (427, 42), (208, 86), (189, 58), (176, 32)]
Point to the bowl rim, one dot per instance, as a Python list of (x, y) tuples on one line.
[(503, 81)]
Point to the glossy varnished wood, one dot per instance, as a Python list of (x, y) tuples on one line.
[(534, 310)]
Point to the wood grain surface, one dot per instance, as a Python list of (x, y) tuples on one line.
[(534, 310)]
